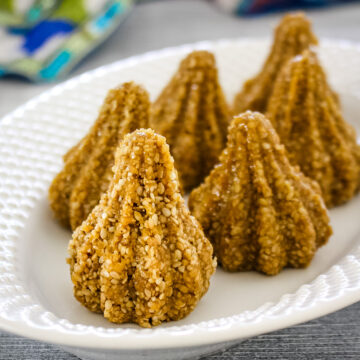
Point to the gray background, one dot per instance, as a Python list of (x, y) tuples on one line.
[(158, 24)]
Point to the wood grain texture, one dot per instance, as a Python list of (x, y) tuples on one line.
[(332, 337)]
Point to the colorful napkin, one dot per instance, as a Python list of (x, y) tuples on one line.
[(43, 40)]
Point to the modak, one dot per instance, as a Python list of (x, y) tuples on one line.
[(259, 212), (308, 119), (140, 256), (292, 36), (191, 112), (88, 165)]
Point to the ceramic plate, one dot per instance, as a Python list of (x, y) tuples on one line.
[(35, 289)]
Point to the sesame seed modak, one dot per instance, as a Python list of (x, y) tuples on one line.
[(88, 165), (259, 212), (292, 35), (191, 112), (309, 121), (140, 256)]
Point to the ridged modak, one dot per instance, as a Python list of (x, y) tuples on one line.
[(140, 256), (259, 212), (87, 168), (191, 112), (291, 37), (307, 116)]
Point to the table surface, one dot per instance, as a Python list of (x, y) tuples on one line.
[(336, 336)]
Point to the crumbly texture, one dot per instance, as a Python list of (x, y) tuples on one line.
[(140, 256), (309, 122), (291, 37), (88, 165), (259, 212), (191, 112)]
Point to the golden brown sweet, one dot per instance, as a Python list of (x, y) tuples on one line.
[(191, 112), (308, 119), (88, 165), (291, 37), (259, 212), (140, 256)]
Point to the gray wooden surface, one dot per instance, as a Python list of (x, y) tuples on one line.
[(158, 24), (333, 337)]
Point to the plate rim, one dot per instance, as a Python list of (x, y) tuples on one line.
[(198, 334)]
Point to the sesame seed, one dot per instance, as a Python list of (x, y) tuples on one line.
[(166, 212)]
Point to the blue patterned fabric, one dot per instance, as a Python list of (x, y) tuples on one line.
[(44, 41)]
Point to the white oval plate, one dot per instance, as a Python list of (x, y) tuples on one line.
[(35, 289)]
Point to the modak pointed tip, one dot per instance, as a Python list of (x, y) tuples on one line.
[(140, 256), (87, 166), (198, 59), (294, 18), (145, 134), (191, 112), (259, 212)]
